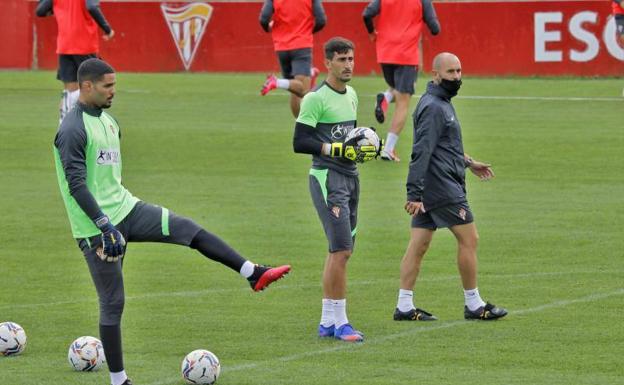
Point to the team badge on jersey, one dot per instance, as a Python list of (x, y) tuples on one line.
[(187, 25)]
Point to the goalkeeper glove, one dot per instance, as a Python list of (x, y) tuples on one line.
[(352, 151), (113, 242), (339, 150)]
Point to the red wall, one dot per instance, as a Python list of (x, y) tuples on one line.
[(491, 38), (501, 38), (15, 34), (233, 39)]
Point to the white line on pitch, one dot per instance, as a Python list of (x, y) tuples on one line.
[(418, 330), (487, 97), (548, 98), (197, 293), (469, 97)]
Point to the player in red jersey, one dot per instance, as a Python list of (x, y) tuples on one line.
[(77, 40), (292, 23), (397, 35)]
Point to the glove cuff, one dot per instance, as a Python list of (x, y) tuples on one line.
[(336, 150), (103, 222)]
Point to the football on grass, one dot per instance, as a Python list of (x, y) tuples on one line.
[(12, 339), (200, 367), (86, 354)]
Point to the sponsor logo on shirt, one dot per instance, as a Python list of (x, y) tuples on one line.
[(108, 157), (338, 131), (187, 25)]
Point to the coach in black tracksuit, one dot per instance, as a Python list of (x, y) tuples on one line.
[(436, 193)]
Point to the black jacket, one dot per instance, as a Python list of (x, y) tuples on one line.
[(437, 169)]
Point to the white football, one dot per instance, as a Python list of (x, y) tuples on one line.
[(200, 367), (12, 339), (86, 354), (370, 137)]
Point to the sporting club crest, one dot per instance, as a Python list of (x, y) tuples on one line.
[(187, 25)]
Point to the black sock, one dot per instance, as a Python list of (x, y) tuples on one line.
[(214, 248), (111, 341)]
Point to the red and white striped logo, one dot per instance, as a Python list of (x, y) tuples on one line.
[(187, 25)]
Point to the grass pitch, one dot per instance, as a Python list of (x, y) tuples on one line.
[(209, 147)]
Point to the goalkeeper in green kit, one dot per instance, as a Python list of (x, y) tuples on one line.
[(104, 215), (327, 116)]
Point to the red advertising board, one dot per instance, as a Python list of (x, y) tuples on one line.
[(529, 37), (548, 37), (156, 36), (16, 32)]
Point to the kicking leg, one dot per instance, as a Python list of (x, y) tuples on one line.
[(150, 223)]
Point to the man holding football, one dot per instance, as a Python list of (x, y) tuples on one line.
[(104, 215), (327, 116)]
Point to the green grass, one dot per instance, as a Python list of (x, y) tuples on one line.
[(207, 146)]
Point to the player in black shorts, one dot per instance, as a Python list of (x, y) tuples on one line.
[(104, 215), (292, 23), (436, 193), (77, 40)]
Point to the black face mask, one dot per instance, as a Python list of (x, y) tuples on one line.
[(451, 86)]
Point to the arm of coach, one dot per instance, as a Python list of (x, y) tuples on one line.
[(428, 124)]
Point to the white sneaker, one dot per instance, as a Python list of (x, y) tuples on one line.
[(390, 155)]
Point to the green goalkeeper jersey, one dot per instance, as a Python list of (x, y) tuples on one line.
[(333, 114), (87, 154)]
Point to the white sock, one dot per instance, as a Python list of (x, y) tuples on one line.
[(391, 141), (73, 98), (118, 378), (405, 302), (327, 314), (283, 83), (473, 299), (64, 105), (340, 312), (68, 101), (247, 269), (389, 96)]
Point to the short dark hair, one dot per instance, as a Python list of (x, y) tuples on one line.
[(337, 45), (93, 70)]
